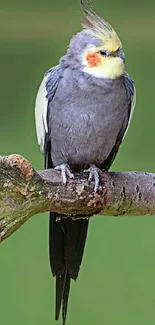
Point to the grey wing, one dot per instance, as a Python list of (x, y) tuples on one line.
[(46, 92), (131, 99)]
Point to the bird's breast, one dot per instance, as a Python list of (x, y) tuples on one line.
[(84, 125)]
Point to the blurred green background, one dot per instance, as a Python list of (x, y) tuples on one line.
[(116, 285)]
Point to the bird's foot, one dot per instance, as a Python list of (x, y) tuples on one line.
[(65, 171), (94, 174)]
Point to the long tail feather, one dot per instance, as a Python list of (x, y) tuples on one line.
[(60, 288), (75, 237), (65, 298), (66, 246)]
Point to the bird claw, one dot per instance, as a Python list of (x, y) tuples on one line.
[(94, 173), (65, 171)]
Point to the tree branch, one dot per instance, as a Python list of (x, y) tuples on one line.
[(25, 192)]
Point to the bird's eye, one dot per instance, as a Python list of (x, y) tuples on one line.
[(103, 53)]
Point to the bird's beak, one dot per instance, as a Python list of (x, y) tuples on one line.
[(120, 54)]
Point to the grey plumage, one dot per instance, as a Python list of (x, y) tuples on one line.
[(80, 133), (87, 118)]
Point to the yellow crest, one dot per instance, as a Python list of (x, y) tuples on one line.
[(100, 28)]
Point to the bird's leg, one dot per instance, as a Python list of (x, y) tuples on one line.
[(94, 173), (65, 171)]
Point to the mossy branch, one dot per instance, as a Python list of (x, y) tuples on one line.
[(25, 192)]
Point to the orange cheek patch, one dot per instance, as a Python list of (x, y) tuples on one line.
[(93, 59)]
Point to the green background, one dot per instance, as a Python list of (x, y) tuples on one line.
[(116, 285)]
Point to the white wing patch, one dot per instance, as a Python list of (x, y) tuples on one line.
[(41, 113), (133, 103)]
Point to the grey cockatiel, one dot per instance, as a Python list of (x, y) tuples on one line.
[(83, 109)]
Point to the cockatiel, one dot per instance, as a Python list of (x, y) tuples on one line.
[(83, 109)]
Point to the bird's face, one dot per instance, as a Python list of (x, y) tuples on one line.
[(102, 56), (104, 63)]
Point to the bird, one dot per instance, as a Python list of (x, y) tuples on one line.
[(83, 109)]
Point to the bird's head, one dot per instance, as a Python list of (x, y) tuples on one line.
[(105, 58), (97, 48)]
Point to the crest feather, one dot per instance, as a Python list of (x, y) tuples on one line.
[(99, 27)]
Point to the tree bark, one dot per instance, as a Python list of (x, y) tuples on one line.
[(25, 192)]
